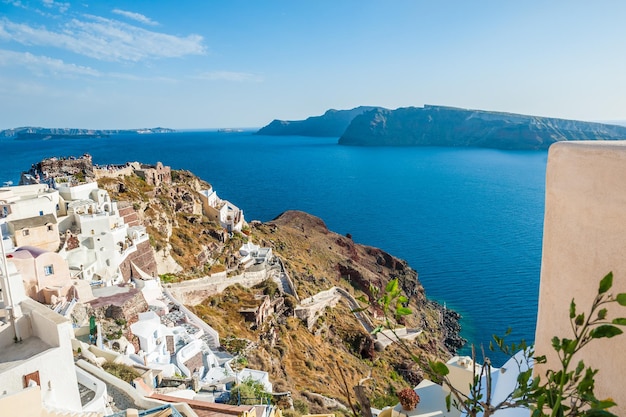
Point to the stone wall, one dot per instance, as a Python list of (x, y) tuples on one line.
[(125, 306), (155, 174), (143, 259)]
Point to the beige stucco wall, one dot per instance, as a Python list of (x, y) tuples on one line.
[(584, 238), (35, 279), (39, 237), (24, 403)]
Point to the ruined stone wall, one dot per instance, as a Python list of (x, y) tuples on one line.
[(58, 167), (155, 174), (113, 171), (143, 258), (125, 306)]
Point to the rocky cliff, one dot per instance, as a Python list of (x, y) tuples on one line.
[(302, 358), (448, 126), (332, 123)]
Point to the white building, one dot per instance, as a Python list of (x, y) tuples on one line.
[(254, 255), (104, 240), (37, 370), (462, 370), (29, 212), (229, 216), (24, 201)]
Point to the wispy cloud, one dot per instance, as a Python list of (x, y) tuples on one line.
[(136, 16), (51, 4), (105, 39), (43, 65), (229, 76), (16, 3)]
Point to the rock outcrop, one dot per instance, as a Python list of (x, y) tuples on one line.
[(332, 123), (448, 126)]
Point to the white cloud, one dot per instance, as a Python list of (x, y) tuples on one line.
[(63, 7), (229, 76), (43, 65), (136, 16), (105, 39)]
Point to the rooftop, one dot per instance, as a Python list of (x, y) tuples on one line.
[(15, 354)]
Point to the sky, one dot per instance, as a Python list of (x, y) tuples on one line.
[(222, 64)]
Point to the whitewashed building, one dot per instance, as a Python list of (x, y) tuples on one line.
[(104, 240), (229, 216), (37, 372)]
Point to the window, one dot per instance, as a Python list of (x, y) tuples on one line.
[(34, 377), (50, 228), (25, 232), (41, 212), (5, 211), (48, 269)]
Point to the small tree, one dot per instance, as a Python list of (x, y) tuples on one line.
[(249, 392), (566, 391)]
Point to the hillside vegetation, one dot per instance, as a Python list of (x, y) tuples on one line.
[(305, 361)]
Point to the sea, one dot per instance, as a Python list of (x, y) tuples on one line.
[(469, 221)]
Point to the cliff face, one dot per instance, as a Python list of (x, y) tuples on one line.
[(304, 359), (447, 126), (332, 123)]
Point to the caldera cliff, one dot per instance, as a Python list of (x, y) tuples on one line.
[(449, 126), (332, 124)]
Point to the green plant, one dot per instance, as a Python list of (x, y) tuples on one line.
[(123, 372), (301, 406), (566, 391), (249, 392), (388, 399)]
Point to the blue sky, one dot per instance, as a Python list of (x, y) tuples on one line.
[(210, 64)]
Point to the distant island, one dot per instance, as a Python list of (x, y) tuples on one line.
[(332, 123), (45, 133), (450, 127)]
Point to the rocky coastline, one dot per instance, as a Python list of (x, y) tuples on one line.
[(294, 352)]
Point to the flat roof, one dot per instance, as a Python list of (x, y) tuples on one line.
[(16, 354)]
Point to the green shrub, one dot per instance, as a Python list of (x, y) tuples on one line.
[(249, 392), (301, 406), (123, 372)]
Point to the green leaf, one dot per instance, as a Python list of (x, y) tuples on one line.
[(606, 330), (602, 314), (620, 321), (621, 299), (556, 343), (378, 329), (403, 311), (598, 413), (569, 346), (580, 319), (448, 401), (606, 283), (604, 404), (392, 286), (439, 368), (572, 309)]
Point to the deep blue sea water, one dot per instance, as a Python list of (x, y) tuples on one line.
[(468, 220)]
